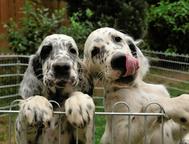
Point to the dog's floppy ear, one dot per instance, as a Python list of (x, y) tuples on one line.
[(38, 58), (135, 50), (31, 83), (85, 78), (144, 68), (36, 64)]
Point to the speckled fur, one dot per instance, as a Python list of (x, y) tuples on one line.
[(36, 123), (101, 45)]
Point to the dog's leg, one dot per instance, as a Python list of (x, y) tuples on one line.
[(173, 133), (176, 108), (21, 130), (80, 109), (89, 132), (35, 113)]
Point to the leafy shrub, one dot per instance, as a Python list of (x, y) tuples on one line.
[(38, 22), (78, 30), (24, 37), (125, 15), (168, 27)]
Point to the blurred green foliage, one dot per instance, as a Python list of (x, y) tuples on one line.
[(78, 30), (168, 26), (24, 37), (163, 24), (125, 15), (38, 22)]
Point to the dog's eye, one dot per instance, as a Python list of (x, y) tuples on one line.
[(117, 38), (95, 51), (73, 51), (45, 51)]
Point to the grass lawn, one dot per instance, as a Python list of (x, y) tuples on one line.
[(4, 129), (169, 79)]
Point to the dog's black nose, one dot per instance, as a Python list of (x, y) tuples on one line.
[(61, 69), (118, 62)]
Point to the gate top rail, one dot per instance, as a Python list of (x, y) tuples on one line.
[(99, 113), (13, 56), (166, 53)]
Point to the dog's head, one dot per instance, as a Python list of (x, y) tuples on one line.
[(115, 55), (56, 61)]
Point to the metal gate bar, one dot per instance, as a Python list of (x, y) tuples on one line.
[(114, 114)]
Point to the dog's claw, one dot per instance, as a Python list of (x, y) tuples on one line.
[(36, 111), (79, 109)]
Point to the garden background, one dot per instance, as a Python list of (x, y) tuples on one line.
[(162, 24)]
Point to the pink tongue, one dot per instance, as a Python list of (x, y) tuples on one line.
[(131, 65)]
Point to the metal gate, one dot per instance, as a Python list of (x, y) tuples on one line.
[(10, 114), (12, 68)]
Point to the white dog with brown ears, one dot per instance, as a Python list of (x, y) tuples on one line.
[(116, 59)]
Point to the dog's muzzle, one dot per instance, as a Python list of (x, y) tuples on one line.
[(61, 69), (127, 65), (62, 74)]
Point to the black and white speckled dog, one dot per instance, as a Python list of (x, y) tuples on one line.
[(115, 58), (56, 73)]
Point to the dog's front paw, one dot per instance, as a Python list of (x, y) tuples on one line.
[(79, 109), (36, 110)]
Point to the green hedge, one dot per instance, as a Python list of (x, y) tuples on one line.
[(164, 24), (24, 37), (168, 27), (125, 15), (38, 22)]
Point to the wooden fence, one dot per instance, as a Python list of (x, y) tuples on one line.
[(9, 9), (12, 9)]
